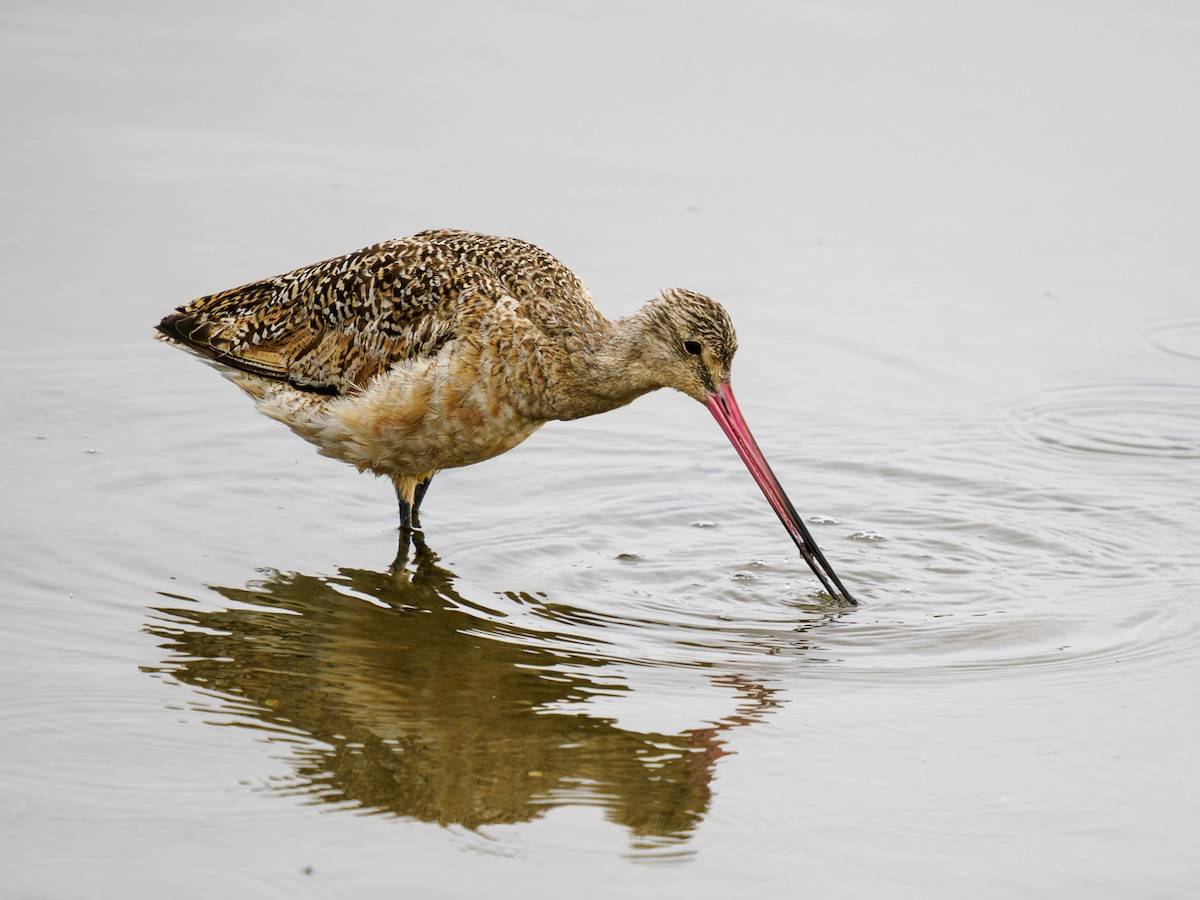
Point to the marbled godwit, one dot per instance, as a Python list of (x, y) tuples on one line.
[(447, 348)]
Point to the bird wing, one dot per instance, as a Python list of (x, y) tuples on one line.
[(333, 326)]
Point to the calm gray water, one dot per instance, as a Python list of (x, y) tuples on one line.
[(959, 244)]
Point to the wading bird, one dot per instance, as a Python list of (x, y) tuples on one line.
[(447, 348)]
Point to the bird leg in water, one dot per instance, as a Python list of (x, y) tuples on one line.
[(418, 496), (409, 496)]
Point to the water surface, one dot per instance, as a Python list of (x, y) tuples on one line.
[(959, 250)]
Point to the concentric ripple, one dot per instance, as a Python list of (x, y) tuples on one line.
[(1141, 420), (1180, 339)]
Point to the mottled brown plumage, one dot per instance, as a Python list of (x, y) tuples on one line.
[(441, 350), (445, 349)]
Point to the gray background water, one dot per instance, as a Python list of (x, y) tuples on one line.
[(959, 243)]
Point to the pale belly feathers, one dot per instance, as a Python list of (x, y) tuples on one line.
[(418, 418)]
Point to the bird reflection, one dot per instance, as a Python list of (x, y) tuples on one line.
[(399, 696)]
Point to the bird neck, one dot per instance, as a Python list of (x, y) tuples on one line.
[(616, 368)]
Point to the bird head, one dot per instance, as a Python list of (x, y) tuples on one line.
[(694, 341)]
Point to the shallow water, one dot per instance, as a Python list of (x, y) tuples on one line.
[(959, 250)]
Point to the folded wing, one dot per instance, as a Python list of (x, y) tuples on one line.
[(332, 326)]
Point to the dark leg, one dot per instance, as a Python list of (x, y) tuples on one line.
[(406, 512), (410, 512), (418, 496), (410, 521)]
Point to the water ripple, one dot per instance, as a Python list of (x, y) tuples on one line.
[(1141, 420), (1178, 339)]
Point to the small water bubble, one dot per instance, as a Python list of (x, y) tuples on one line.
[(706, 524), (869, 536), (744, 576), (824, 520), (629, 557)]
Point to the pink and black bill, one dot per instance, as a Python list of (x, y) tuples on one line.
[(724, 408)]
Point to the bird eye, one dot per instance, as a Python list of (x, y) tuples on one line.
[(692, 347)]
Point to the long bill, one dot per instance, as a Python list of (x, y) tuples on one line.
[(724, 408)]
